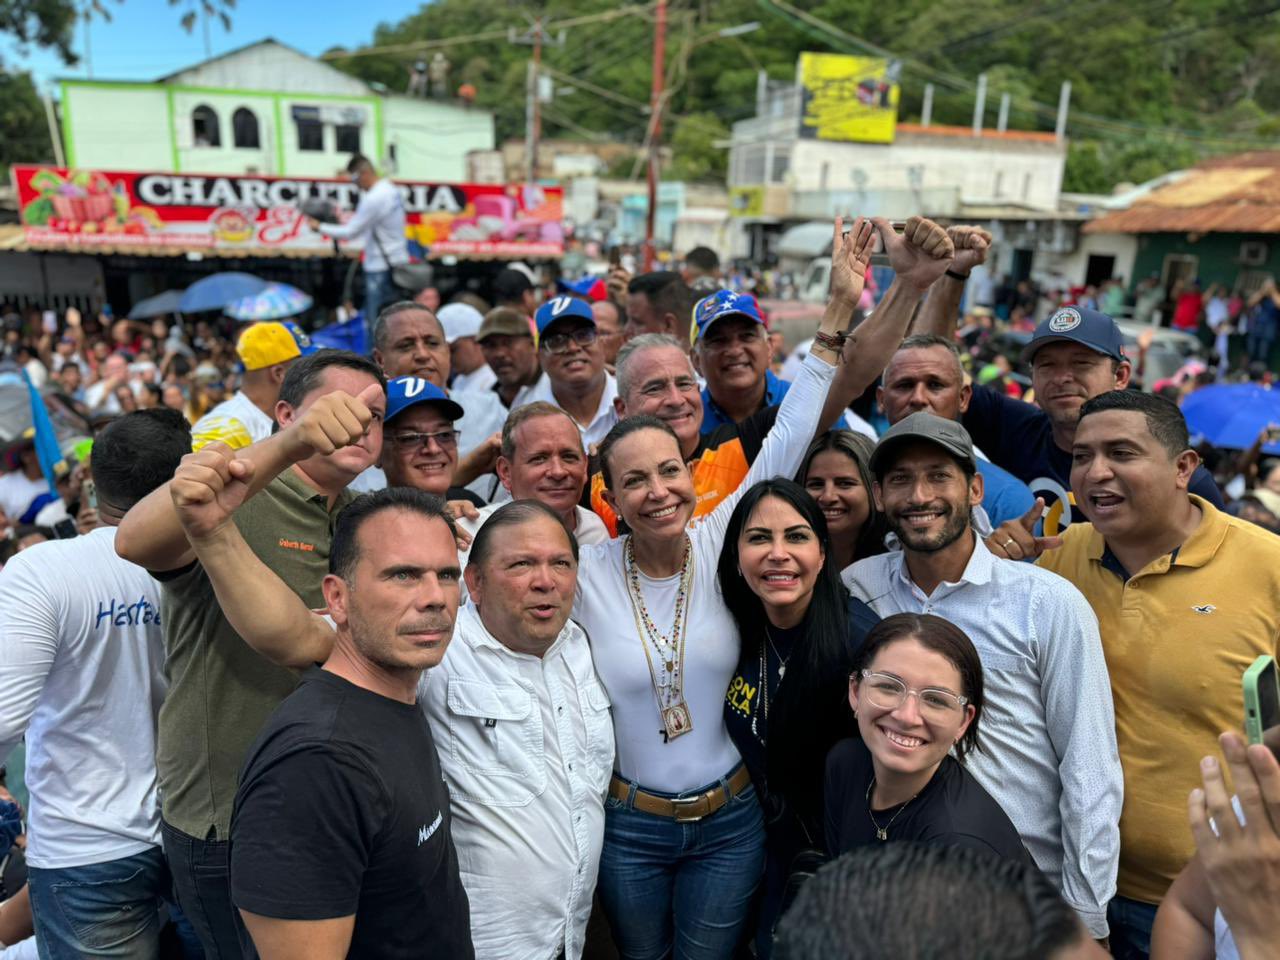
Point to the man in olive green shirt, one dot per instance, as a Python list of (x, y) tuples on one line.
[(221, 690)]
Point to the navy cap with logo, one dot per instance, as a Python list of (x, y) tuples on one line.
[(405, 392), (562, 308), (1089, 328)]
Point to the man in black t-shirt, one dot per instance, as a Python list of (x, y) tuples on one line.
[(340, 835)]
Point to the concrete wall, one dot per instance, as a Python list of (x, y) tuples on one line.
[(116, 126), (1069, 269), (226, 157), (432, 139), (271, 66)]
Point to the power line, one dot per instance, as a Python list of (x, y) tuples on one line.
[(420, 45)]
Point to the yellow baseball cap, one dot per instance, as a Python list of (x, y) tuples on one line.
[(264, 344)]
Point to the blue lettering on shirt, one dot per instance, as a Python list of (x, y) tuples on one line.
[(121, 613)]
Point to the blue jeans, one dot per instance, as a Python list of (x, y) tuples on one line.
[(201, 872), (1130, 922), (100, 910), (378, 293), (681, 889)]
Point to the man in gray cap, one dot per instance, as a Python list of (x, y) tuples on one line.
[(1049, 746)]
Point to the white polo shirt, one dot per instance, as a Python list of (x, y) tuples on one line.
[(601, 422)]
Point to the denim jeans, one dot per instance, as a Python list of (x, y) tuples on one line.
[(680, 889), (378, 293), (201, 872), (1130, 922), (100, 910)]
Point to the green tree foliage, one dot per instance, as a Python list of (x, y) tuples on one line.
[(1184, 77), (24, 133)]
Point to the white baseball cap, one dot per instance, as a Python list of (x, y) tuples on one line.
[(459, 320)]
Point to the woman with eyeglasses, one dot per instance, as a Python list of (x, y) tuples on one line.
[(916, 690), (787, 703), (836, 472), (683, 844)]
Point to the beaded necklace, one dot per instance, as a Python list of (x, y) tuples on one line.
[(668, 683)]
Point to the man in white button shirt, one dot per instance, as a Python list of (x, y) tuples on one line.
[(379, 222), (573, 374), (266, 350), (525, 737), (1049, 754)]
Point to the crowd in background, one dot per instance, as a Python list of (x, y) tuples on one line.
[(574, 540)]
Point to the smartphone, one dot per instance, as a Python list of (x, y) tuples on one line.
[(615, 256), (90, 494), (1262, 704), (65, 529)]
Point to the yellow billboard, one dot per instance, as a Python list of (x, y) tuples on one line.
[(848, 98), (746, 201)]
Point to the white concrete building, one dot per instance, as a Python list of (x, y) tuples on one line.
[(271, 110)]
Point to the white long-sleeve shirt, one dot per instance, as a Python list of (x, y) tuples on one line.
[(81, 674), (1048, 731), (526, 745), (712, 646), (379, 222)]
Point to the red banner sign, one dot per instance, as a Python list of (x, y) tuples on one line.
[(95, 209)]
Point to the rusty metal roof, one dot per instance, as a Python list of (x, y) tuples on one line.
[(1236, 194)]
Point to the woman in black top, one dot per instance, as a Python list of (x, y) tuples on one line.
[(787, 704), (917, 693)]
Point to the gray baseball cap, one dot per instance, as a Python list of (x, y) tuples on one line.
[(922, 425)]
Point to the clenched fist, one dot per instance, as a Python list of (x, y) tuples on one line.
[(972, 244), (920, 254), (207, 488), (332, 422)]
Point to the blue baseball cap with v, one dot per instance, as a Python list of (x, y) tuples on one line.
[(562, 308), (405, 392)]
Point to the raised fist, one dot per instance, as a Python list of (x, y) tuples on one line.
[(207, 488)]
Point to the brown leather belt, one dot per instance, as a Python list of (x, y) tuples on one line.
[(682, 809)]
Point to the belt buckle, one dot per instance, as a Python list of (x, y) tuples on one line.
[(683, 807)]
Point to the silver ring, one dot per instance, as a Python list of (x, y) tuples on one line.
[(1006, 543)]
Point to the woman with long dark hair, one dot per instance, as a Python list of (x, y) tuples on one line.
[(786, 705), (916, 689), (683, 845), (836, 472)]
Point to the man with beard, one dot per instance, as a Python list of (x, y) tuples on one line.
[(1049, 756)]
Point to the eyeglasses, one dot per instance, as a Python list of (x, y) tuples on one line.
[(445, 439), (889, 693), (559, 342)]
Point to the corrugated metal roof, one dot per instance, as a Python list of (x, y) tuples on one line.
[(1237, 194)]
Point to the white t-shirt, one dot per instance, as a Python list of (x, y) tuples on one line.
[(18, 492), (81, 674), (601, 421), (236, 421), (712, 646), (590, 528)]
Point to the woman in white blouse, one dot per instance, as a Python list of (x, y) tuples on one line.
[(684, 839)]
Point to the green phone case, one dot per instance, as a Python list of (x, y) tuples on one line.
[(1264, 666)]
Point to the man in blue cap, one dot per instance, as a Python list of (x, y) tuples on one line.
[(419, 439), (731, 350), (573, 374)]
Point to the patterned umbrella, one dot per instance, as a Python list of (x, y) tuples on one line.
[(275, 302)]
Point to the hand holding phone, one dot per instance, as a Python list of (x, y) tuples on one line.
[(1262, 704)]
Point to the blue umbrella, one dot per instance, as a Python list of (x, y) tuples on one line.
[(157, 306), (216, 291), (1233, 414), (274, 302)]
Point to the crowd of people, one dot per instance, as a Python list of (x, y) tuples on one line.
[(562, 625)]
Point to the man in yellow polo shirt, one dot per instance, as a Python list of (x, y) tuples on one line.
[(1186, 598)]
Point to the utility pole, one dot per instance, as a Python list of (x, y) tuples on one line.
[(535, 37), (1064, 101), (979, 105), (655, 127)]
